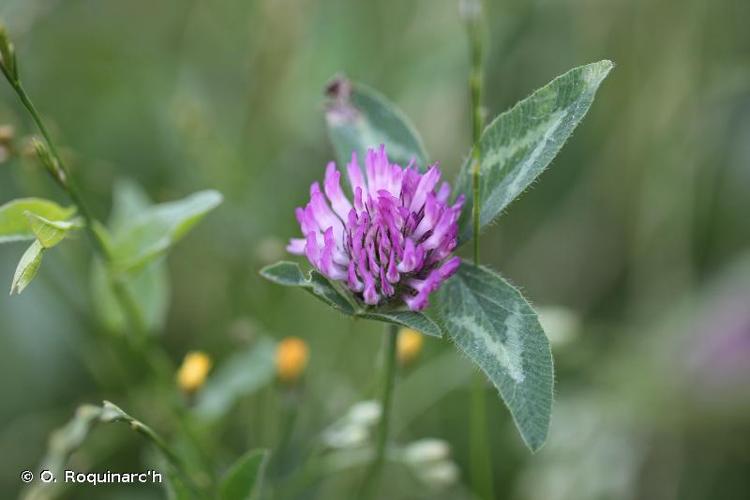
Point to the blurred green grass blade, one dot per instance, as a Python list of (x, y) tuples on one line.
[(243, 480), (153, 231), (176, 487), (14, 224), (290, 274), (27, 268), (520, 143), (359, 118), (427, 385), (49, 232), (239, 376), (491, 322), (410, 319)]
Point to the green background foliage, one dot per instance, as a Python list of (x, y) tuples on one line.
[(639, 228)]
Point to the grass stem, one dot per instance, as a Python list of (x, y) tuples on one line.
[(480, 457)]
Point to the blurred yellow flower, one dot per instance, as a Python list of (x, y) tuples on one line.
[(409, 345), (291, 359), (192, 374)]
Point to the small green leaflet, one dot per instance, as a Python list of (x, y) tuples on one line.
[(359, 118), (14, 223), (491, 322), (409, 319), (27, 268), (50, 232), (520, 143), (244, 479), (289, 274), (36, 219)]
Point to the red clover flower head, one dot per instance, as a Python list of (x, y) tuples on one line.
[(394, 242)]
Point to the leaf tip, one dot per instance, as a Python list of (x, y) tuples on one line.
[(274, 272), (598, 71), (214, 198), (536, 444), (266, 271)]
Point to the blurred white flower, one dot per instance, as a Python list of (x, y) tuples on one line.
[(348, 435), (366, 413), (353, 429), (592, 453), (560, 324), (439, 475), (426, 450)]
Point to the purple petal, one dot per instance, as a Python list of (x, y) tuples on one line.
[(444, 193), (425, 186), (296, 246), (332, 186), (355, 174), (323, 214)]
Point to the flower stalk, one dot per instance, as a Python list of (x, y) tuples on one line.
[(373, 475)]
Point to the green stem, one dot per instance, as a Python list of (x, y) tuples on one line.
[(156, 358), (481, 459), (373, 475), (65, 181), (174, 460), (288, 408)]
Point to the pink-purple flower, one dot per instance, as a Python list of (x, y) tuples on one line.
[(394, 242)]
